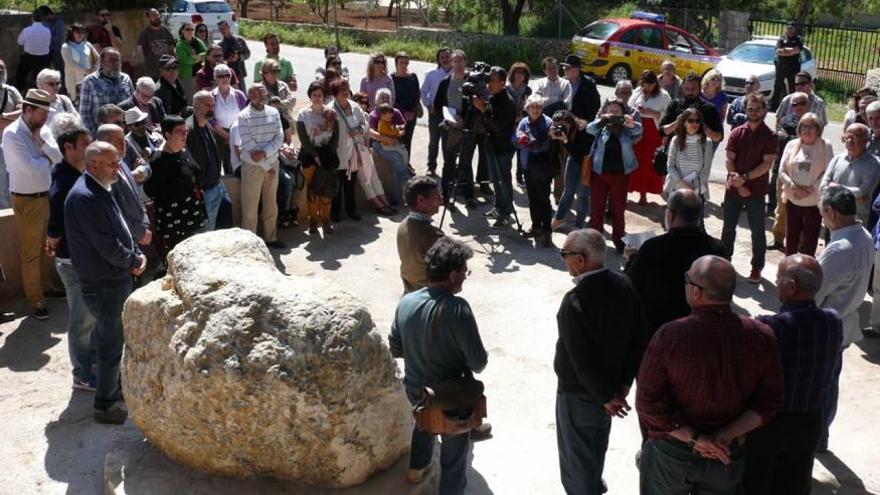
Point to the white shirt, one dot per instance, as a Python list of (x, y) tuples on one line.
[(35, 39), (28, 159), (430, 85), (234, 140), (225, 109), (553, 91), (658, 103)]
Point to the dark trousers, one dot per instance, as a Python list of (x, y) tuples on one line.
[(538, 189), (458, 166), (499, 170), (286, 183), (802, 229), (28, 67), (407, 138), (453, 458), (779, 456), (582, 430), (344, 195), (604, 186), (482, 165), (672, 468), (784, 77), (436, 134), (830, 410), (106, 304), (754, 206)]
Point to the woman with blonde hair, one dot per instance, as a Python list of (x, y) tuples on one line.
[(712, 92), (50, 81), (533, 141), (377, 76), (801, 169)]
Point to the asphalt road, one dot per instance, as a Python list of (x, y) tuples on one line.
[(306, 60)]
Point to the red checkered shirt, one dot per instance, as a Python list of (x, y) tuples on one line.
[(706, 369)]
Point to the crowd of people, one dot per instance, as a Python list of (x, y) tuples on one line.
[(108, 173)]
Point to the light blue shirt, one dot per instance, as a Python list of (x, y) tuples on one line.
[(846, 267), (430, 85)]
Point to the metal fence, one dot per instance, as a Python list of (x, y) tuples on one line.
[(843, 55)]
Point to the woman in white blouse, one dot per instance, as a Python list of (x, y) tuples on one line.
[(651, 101), (50, 81), (228, 102), (690, 156), (801, 169)]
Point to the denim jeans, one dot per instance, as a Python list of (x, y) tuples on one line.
[(80, 323), (453, 458), (213, 197), (106, 303), (672, 468), (573, 186), (582, 430), (499, 165), (399, 171), (754, 206), (436, 137)]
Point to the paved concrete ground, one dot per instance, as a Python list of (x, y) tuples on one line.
[(50, 444)]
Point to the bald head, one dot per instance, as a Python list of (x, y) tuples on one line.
[(716, 277), (96, 149), (685, 207), (113, 134), (806, 274)]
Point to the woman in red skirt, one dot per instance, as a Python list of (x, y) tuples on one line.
[(651, 101)]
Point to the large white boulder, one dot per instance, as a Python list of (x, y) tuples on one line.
[(234, 368)]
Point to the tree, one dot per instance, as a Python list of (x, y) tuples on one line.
[(510, 14)]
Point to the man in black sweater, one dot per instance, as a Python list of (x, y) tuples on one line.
[(499, 117), (601, 341), (657, 268), (690, 89)]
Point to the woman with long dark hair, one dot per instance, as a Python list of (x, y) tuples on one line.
[(651, 101), (690, 156)]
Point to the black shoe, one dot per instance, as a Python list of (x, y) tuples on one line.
[(482, 432), (502, 221), (533, 233), (486, 190), (385, 211), (114, 415), (547, 240), (776, 246), (471, 204), (355, 216), (40, 312), (276, 244), (6, 316), (336, 218), (872, 332)]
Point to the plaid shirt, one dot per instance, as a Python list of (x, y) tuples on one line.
[(809, 345), (99, 90), (706, 369)]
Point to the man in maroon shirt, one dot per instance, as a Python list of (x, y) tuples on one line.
[(705, 381), (751, 150)]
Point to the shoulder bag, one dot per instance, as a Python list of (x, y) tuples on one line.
[(452, 406)]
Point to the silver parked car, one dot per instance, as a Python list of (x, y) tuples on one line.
[(755, 58)]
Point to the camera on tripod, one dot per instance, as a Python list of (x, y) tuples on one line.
[(477, 82)]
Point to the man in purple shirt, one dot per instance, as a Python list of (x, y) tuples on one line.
[(779, 456)]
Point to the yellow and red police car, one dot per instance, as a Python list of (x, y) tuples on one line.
[(617, 49)]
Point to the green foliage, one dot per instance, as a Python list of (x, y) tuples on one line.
[(317, 37)]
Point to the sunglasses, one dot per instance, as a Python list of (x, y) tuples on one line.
[(749, 83), (223, 75), (188, 29), (380, 62), (798, 103), (687, 281), (693, 121), (273, 71), (801, 83), (565, 253)]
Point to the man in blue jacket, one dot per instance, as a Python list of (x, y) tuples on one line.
[(105, 257)]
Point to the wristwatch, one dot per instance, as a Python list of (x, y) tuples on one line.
[(693, 440), (745, 176)]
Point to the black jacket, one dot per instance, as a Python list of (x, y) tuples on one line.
[(657, 272), (155, 109), (198, 150), (711, 119), (586, 102), (601, 336), (500, 120), (172, 96)]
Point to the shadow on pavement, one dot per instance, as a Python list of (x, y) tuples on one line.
[(848, 482), (27, 340), (870, 350), (348, 239)]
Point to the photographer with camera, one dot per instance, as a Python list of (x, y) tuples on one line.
[(499, 118), (576, 142), (533, 140), (613, 161)]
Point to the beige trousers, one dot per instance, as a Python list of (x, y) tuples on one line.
[(258, 185)]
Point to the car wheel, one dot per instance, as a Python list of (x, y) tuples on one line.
[(619, 72)]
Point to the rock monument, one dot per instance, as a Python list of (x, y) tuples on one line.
[(233, 368)]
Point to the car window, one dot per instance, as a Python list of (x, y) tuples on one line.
[(650, 37), (677, 42), (213, 8), (178, 6), (753, 53), (629, 36), (697, 48), (599, 30), (806, 55)]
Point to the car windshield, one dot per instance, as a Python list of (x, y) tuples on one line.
[(754, 53), (213, 7), (599, 30), (178, 6)]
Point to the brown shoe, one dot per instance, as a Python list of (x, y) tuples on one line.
[(755, 276)]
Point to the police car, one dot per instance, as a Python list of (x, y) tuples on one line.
[(618, 49)]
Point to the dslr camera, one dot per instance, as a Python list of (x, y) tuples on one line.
[(477, 82), (558, 130), (616, 120)]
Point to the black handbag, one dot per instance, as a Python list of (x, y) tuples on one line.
[(661, 157)]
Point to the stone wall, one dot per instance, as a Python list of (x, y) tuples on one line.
[(733, 29), (872, 79)]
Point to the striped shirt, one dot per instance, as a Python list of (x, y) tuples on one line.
[(809, 345), (260, 130)]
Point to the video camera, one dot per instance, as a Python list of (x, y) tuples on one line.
[(477, 82)]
